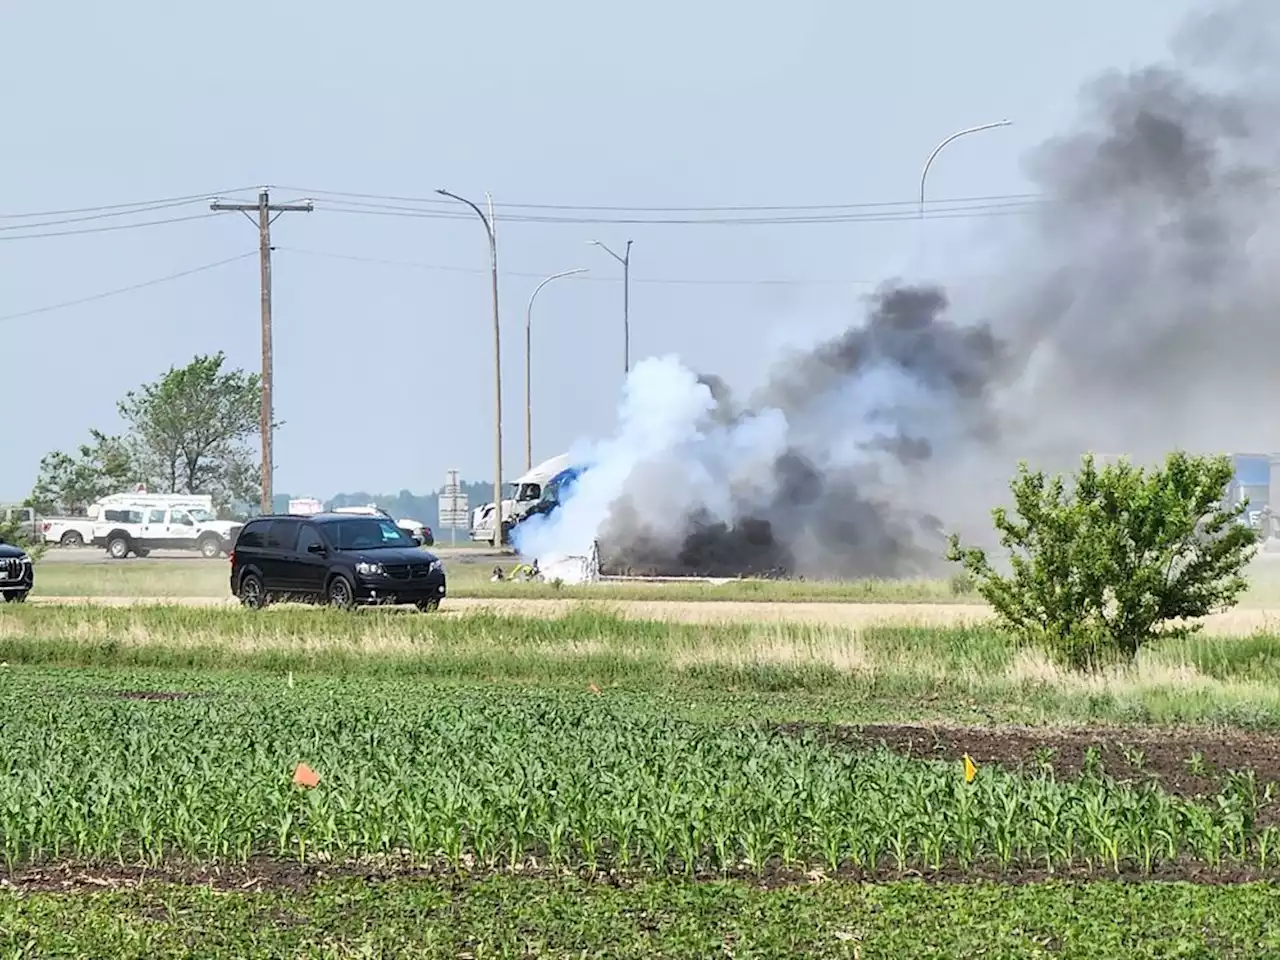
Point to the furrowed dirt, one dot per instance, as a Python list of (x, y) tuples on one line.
[(1181, 761)]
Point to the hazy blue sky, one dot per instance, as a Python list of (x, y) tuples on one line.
[(384, 370)]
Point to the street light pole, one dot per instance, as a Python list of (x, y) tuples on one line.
[(626, 300), (497, 363), (938, 149), (528, 345)]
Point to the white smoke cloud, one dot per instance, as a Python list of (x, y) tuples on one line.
[(1137, 315)]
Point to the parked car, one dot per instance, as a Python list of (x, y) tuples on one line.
[(343, 560), (17, 573)]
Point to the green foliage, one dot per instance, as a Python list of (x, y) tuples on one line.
[(68, 484), (188, 433), (20, 534), (504, 916), (192, 426), (488, 778), (1125, 556)]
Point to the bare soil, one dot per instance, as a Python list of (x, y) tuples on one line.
[(263, 874), (1184, 762)]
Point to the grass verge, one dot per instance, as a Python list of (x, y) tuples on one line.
[(514, 917), (470, 579), (829, 673)]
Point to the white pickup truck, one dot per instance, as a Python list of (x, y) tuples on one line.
[(139, 529), (68, 531)]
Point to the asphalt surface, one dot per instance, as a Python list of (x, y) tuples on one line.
[(91, 555)]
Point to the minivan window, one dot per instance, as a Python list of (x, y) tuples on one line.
[(283, 535), (366, 533), (251, 536), (307, 536)]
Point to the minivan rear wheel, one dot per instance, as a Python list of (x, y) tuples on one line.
[(341, 593)]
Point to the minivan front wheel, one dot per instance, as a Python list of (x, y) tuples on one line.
[(251, 593), (341, 593)]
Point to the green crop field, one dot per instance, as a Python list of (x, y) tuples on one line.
[(598, 785)]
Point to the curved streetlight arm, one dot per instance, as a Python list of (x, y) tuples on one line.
[(554, 276), (938, 149), (528, 363), (621, 260), (497, 362), (479, 213), (626, 301)]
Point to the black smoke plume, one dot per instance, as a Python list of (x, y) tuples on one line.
[(831, 511), (1136, 312)]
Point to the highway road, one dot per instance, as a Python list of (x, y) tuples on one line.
[(91, 555)]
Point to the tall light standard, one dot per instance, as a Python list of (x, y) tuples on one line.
[(938, 149), (497, 363), (528, 345), (626, 298)]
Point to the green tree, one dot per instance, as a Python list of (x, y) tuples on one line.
[(1123, 557), (68, 484), (192, 429), (14, 532)]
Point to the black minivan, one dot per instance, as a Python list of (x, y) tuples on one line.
[(336, 558)]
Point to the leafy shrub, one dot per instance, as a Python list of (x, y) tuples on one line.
[(1124, 556)]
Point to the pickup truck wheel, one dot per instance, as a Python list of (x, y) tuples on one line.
[(118, 548), (340, 593), (72, 538), (14, 597), (210, 547), (428, 606)]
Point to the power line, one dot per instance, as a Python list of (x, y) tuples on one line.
[(691, 209), (94, 216), (113, 227), (121, 290), (692, 281), (189, 198), (976, 211)]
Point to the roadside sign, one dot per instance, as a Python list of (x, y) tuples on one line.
[(453, 509)]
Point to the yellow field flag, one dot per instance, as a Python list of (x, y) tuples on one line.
[(970, 769)]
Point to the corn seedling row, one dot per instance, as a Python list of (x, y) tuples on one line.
[(562, 779)]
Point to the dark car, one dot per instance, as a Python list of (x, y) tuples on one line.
[(17, 574), (335, 558)]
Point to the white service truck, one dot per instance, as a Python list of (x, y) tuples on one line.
[(139, 523), (527, 490)]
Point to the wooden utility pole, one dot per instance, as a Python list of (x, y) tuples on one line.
[(265, 208)]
